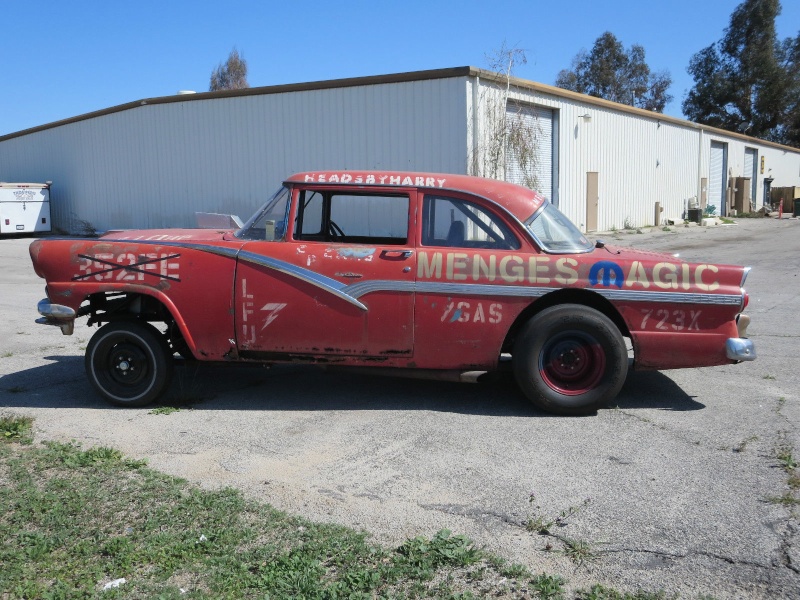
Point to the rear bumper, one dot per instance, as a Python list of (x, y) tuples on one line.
[(58, 315), (740, 349)]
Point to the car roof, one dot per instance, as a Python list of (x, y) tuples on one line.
[(519, 201)]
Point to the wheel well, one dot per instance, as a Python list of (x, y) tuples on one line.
[(565, 296), (107, 307)]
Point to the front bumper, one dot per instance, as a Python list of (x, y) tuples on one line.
[(740, 349), (58, 315)]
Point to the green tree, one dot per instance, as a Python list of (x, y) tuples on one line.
[(747, 82), (612, 73), (230, 75)]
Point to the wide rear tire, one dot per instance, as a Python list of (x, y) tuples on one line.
[(570, 360), (129, 363)]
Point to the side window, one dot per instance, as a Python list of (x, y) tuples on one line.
[(352, 218), (456, 223)]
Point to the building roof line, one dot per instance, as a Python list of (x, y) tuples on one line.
[(405, 77)]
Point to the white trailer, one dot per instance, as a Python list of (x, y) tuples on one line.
[(24, 207)]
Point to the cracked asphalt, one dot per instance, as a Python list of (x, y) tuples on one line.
[(682, 473)]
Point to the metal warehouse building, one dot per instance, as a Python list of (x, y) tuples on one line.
[(155, 162)]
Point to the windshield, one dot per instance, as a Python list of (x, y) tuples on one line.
[(269, 222), (555, 233)]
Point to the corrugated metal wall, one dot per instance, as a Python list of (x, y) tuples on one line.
[(155, 165), (640, 158)]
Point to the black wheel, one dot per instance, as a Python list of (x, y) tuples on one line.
[(129, 363), (570, 360)]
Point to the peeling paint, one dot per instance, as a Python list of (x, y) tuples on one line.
[(356, 253)]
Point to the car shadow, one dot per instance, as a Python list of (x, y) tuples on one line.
[(203, 386)]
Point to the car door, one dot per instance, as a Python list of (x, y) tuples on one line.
[(339, 284), (471, 269)]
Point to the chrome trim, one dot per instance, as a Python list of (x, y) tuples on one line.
[(740, 349), (477, 289), (677, 297), (321, 281), (57, 315), (744, 275)]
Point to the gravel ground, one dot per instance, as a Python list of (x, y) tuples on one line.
[(679, 473)]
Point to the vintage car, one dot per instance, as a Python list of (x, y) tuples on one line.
[(439, 275)]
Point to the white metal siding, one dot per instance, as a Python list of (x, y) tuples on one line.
[(156, 165)]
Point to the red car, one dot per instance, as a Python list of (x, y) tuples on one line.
[(435, 273)]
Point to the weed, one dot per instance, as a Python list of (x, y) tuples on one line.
[(164, 410), (727, 221), (86, 228), (548, 586), (784, 456), (600, 592), (613, 228), (578, 551), (771, 377), (7, 355), (666, 228), (628, 224), (793, 481), (786, 500), (542, 525), (16, 429), (515, 571), (743, 444)]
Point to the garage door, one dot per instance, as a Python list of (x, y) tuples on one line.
[(750, 161), (531, 148), (717, 180)]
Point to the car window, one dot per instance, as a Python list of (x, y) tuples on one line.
[(453, 222), (352, 218), (269, 222)]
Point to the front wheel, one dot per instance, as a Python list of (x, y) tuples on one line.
[(129, 363), (570, 360)]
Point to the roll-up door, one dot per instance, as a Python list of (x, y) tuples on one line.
[(531, 128), (717, 179), (750, 161)]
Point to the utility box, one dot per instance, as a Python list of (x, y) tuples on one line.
[(24, 207), (742, 202)]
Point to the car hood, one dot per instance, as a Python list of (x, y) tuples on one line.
[(626, 253), (169, 235)]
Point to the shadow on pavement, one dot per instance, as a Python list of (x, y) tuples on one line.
[(203, 386)]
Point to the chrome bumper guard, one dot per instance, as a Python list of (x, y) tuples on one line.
[(740, 349), (58, 315)]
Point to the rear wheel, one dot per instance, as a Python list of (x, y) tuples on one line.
[(570, 360), (129, 363)]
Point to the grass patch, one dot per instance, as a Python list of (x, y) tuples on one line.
[(74, 520), (164, 410), (599, 592), (16, 429)]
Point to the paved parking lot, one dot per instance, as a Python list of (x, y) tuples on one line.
[(680, 473)]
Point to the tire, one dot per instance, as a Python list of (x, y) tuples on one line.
[(128, 363), (570, 360)]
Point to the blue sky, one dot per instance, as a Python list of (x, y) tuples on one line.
[(61, 59)]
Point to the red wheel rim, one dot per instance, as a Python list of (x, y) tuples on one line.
[(572, 363)]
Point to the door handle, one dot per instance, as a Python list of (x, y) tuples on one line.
[(396, 253)]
